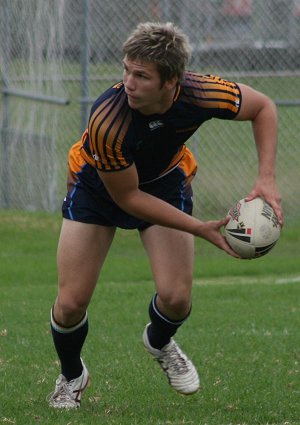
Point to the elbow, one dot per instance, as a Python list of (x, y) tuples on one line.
[(267, 113)]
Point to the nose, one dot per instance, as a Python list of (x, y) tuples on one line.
[(129, 82)]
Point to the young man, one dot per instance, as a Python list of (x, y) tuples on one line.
[(132, 170)]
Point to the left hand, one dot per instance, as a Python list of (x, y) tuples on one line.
[(268, 190), (211, 231)]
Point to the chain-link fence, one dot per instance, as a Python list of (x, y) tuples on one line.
[(57, 56)]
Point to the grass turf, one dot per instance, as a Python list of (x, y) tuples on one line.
[(243, 335)]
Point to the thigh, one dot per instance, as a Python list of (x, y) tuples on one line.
[(171, 255), (82, 249)]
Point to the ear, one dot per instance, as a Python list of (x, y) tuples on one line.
[(170, 84)]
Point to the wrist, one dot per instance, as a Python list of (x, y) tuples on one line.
[(268, 175), (199, 229)]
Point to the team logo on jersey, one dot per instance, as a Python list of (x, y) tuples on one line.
[(96, 157), (154, 125)]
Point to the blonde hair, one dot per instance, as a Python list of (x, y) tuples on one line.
[(163, 44)]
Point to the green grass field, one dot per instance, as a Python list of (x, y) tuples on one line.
[(243, 335)]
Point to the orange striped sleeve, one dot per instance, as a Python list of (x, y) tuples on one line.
[(212, 92), (108, 126)]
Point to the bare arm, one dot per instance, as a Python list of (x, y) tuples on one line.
[(123, 188), (259, 109)]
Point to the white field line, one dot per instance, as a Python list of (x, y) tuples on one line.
[(283, 281), (244, 280)]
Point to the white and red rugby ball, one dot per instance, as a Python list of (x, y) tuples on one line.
[(253, 228)]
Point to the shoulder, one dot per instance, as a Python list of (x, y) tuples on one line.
[(207, 84), (109, 122), (113, 99), (210, 91), (110, 114)]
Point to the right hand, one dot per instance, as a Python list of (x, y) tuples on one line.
[(211, 231)]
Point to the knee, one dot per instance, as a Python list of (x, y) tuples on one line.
[(68, 311), (176, 300)]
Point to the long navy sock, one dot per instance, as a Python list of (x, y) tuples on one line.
[(68, 343), (162, 328)]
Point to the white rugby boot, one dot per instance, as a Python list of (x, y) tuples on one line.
[(181, 372), (67, 394)]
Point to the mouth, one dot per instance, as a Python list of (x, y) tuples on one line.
[(133, 101), (132, 98)]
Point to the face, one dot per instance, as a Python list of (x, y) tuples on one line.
[(143, 87)]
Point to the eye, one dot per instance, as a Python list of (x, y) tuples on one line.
[(143, 76), (125, 73)]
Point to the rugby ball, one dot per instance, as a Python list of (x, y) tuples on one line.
[(253, 228)]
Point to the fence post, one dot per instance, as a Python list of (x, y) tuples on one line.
[(5, 173), (84, 60)]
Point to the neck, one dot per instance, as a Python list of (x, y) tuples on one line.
[(162, 106)]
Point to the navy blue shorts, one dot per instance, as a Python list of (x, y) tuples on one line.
[(88, 201)]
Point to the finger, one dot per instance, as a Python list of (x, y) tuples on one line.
[(279, 214), (227, 248), (232, 253), (224, 221), (277, 210), (250, 197)]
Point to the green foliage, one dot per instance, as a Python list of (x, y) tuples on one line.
[(243, 335)]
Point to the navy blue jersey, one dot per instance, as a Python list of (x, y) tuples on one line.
[(119, 136)]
